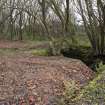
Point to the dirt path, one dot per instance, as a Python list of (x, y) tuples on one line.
[(23, 44)]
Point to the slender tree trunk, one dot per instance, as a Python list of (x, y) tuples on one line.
[(11, 19), (20, 27), (67, 16), (43, 8)]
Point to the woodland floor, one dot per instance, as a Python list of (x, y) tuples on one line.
[(26, 79)]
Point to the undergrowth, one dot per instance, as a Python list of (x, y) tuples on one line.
[(91, 94)]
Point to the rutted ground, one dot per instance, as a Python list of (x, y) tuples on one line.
[(25, 80)]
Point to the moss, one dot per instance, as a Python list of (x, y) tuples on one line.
[(95, 91), (70, 89), (92, 94)]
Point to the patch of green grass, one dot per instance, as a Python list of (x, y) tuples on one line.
[(40, 52), (82, 40), (6, 51), (35, 37)]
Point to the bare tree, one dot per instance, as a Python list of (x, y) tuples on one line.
[(93, 18)]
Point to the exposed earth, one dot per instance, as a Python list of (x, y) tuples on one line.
[(36, 80)]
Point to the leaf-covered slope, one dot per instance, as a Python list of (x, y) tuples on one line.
[(42, 77)]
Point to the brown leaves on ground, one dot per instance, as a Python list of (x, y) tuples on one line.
[(38, 79)]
